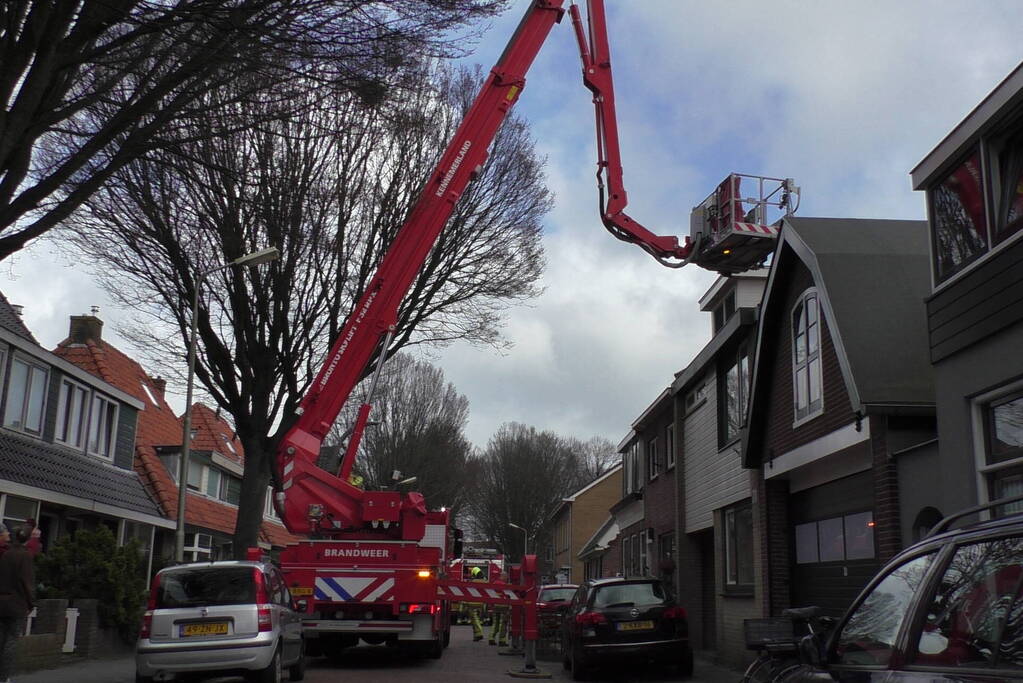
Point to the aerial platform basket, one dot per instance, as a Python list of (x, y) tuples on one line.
[(736, 232)]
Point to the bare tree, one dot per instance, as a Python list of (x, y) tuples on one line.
[(91, 85), (418, 429), (596, 456), (522, 477), (329, 186)]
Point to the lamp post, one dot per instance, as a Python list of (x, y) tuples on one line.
[(525, 538), (252, 259)]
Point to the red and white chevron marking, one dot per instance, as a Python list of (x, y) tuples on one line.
[(468, 593), (754, 228)]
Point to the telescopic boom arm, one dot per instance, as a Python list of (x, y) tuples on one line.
[(311, 500)]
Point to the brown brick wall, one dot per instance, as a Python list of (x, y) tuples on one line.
[(887, 525), (589, 511)]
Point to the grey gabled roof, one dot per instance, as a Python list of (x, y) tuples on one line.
[(874, 276), (9, 319), (78, 479)]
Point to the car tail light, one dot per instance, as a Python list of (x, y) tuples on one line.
[(590, 619), (153, 590), (417, 608), (147, 624), (264, 615), (675, 613)]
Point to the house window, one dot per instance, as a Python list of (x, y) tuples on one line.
[(641, 565), (733, 390), (197, 547), (669, 446), (1003, 423), (739, 547), (102, 426), (213, 478), (195, 468), (232, 490), (958, 219), (633, 480), (696, 397), (72, 414), (627, 556), (652, 465), (16, 510), (269, 511), (807, 392), (724, 311), (26, 394), (836, 539), (1009, 192)]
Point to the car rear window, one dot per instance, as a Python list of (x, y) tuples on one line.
[(556, 594), (206, 586), (625, 594)]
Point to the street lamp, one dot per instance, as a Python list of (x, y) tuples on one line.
[(253, 259), (525, 538)]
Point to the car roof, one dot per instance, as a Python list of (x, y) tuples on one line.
[(218, 563), (559, 585), (607, 580)]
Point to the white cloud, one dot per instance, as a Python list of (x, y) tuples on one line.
[(846, 98)]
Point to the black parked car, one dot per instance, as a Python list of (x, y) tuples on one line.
[(618, 619), (949, 608)]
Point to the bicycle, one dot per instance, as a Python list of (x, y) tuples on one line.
[(777, 644)]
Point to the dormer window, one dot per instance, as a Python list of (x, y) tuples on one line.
[(724, 311), (1008, 173)]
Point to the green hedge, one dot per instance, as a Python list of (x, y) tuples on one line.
[(90, 564)]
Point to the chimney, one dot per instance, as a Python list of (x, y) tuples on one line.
[(85, 328), (161, 385), (18, 308)]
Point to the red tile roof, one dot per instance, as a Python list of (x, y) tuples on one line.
[(158, 426)]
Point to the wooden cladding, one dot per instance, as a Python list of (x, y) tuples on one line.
[(983, 302)]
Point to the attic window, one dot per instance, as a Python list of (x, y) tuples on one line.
[(227, 442), (149, 393), (807, 394)]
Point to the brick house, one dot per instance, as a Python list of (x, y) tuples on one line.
[(576, 518), (841, 427), (973, 182), (216, 459), (66, 444), (708, 400)]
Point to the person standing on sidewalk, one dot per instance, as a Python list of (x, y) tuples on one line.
[(5, 539), (17, 582)]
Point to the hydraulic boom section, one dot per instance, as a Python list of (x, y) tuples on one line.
[(312, 500)]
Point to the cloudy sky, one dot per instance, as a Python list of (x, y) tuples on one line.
[(844, 97)]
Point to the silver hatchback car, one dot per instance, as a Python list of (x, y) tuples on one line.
[(220, 618)]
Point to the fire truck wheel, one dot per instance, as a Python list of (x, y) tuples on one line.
[(436, 648), (447, 637), (296, 672)]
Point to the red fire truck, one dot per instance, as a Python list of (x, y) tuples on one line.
[(374, 564)]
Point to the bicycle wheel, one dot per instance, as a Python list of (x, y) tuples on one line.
[(759, 671), (792, 672)]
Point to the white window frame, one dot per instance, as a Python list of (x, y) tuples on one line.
[(27, 397), (269, 512), (986, 472), (669, 446), (108, 422), (652, 466), (813, 408), (79, 411), (192, 552)]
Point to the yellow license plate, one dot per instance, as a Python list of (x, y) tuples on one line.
[(299, 592), (635, 625), (213, 628)]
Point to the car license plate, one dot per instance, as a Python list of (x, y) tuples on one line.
[(635, 625), (211, 628)]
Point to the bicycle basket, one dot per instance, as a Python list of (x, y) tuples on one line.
[(773, 631)]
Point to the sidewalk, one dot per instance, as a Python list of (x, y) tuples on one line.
[(119, 669)]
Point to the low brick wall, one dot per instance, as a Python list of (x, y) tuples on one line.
[(41, 649)]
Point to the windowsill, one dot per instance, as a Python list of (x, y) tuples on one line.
[(731, 442), (808, 418), (738, 592)]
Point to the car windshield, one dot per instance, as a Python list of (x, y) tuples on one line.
[(206, 586), (556, 594), (627, 594)]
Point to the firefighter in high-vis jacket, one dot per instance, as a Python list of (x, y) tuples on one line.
[(475, 574), (499, 625)]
